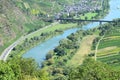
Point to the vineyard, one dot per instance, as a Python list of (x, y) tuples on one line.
[(109, 46), (113, 60)]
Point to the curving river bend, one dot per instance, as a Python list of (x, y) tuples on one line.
[(39, 52)]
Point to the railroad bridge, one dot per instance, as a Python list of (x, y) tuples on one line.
[(82, 20)]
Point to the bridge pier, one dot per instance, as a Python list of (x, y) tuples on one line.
[(100, 23)]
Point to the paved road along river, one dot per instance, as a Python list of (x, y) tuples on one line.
[(39, 52)]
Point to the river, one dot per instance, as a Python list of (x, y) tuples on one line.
[(39, 52)]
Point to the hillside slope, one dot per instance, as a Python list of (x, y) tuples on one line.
[(108, 44), (20, 17)]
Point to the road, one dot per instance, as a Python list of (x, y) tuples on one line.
[(7, 51)]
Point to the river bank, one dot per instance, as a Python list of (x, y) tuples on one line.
[(29, 46), (47, 33), (52, 46)]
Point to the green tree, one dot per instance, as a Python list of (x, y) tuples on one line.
[(6, 72), (42, 75)]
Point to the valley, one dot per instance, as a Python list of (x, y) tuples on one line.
[(36, 45)]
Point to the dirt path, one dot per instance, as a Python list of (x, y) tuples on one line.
[(84, 50), (96, 49)]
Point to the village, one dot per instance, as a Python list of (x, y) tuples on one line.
[(82, 6)]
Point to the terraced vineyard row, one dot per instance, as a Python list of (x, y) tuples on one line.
[(112, 60)]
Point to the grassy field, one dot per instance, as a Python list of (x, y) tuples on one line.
[(53, 28), (88, 15), (84, 50)]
